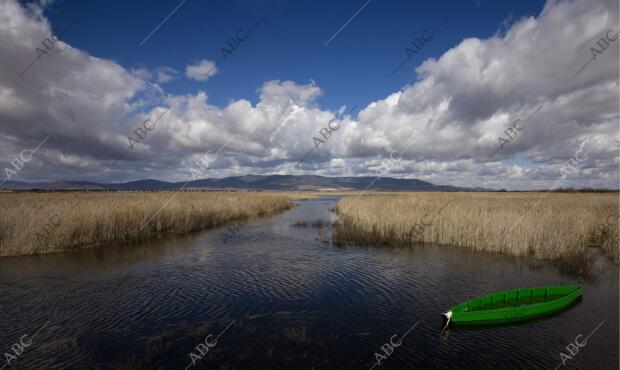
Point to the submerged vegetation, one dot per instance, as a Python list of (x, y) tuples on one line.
[(38, 223), (544, 226), (317, 224)]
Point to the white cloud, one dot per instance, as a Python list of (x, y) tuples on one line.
[(166, 74), (142, 73), (467, 98), (202, 70), (449, 120)]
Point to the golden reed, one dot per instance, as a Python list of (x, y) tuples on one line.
[(543, 226), (38, 223)]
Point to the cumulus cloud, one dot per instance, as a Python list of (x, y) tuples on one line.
[(466, 99), (446, 124), (160, 75), (201, 71), (166, 74)]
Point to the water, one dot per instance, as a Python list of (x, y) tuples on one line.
[(289, 302)]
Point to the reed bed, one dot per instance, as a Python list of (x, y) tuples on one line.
[(39, 223), (544, 226)]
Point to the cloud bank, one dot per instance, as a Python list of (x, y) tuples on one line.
[(449, 121)]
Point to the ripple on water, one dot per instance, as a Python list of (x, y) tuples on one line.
[(295, 302)]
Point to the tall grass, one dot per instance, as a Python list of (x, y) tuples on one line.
[(543, 226), (37, 223)]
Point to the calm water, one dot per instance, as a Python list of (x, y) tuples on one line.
[(287, 301)]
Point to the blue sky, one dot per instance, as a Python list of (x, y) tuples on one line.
[(352, 69), (264, 106)]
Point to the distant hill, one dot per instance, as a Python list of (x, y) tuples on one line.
[(252, 182)]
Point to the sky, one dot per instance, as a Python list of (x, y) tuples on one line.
[(511, 94)]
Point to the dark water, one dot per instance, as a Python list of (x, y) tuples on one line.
[(287, 302)]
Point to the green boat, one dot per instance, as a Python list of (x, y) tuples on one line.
[(513, 305)]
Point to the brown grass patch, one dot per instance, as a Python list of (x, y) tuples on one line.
[(544, 226), (38, 223)]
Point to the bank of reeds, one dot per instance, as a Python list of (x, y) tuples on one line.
[(38, 223), (544, 226)]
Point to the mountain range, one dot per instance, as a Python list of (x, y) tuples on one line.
[(250, 182)]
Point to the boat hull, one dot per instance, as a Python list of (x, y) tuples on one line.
[(515, 305)]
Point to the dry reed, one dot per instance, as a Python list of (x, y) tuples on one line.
[(544, 226), (38, 223)]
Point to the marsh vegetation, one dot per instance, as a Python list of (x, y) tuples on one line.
[(544, 226), (39, 223)]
